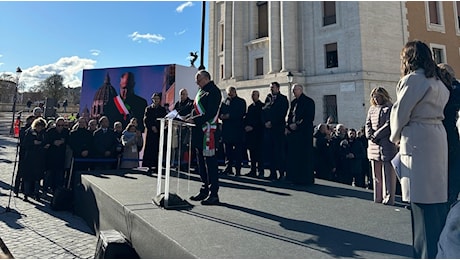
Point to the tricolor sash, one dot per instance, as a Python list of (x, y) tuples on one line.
[(122, 108), (209, 129)]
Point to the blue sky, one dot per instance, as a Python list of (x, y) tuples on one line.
[(66, 37)]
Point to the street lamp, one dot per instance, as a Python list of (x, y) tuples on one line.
[(15, 97), (203, 14), (290, 79)]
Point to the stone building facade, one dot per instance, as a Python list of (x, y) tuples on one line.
[(339, 51)]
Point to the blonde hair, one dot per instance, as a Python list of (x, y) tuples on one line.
[(382, 92), (38, 122)]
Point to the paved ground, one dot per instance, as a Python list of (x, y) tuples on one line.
[(32, 230)]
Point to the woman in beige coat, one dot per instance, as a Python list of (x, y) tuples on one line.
[(380, 150), (416, 124)]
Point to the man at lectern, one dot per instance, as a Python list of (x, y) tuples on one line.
[(204, 116)]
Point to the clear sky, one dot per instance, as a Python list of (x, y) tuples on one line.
[(66, 37)]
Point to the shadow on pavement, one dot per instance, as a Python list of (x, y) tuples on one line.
[(337, 243)]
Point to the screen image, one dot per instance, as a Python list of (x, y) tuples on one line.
[(123, 93)]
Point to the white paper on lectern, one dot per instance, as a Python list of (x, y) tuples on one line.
[(173, 114)]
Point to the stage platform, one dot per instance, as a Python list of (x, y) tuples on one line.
[(257, 218)]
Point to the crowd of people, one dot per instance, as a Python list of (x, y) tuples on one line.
[(280, 136), (46, 150)]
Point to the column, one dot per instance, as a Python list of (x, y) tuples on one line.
[(213, 41), (289, 36), (274, 32), (239, 28), (228, 25)]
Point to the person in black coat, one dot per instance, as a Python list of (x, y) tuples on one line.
[(324, 163), (184, 107), (81, 141), (57, 138), (299, 133), (127, 104), (204, 116), (232, 112), (152, 132), (35, 149), (274, 118), (18, 185), (351, 154), (450, 124), (104, 144), (338, 136), (254, 128)]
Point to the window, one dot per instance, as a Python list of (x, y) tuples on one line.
[(331, 55), (439, 53), (434, 16), (329, 13), (221, 37), (262, 12), (330, 108), (433, 7), (221, 71), (259, 66)]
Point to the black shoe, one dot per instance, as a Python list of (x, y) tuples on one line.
[(228, 171), (214, 200), (199, 196), (252, 173), (26, 199), (238, 172)]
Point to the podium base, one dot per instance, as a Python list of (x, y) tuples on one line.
[(174, 202)]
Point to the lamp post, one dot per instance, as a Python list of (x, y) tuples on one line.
[(203, 14), (290, 79), (15, 97)]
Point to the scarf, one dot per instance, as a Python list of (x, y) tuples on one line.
[(209, 129), (121, 106)]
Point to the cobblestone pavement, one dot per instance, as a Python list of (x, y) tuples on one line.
[(31, 230)]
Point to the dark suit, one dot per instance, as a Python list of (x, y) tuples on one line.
[(152, 139), (275, 110), (81, 139), (233, 131), (184, 108), (323, 156), (210, 98), (136, 106), (300, 141), (34, 161), (103, 142), (55, 157), (255, 137)]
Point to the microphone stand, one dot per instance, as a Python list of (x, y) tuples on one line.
[(8, 209)]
